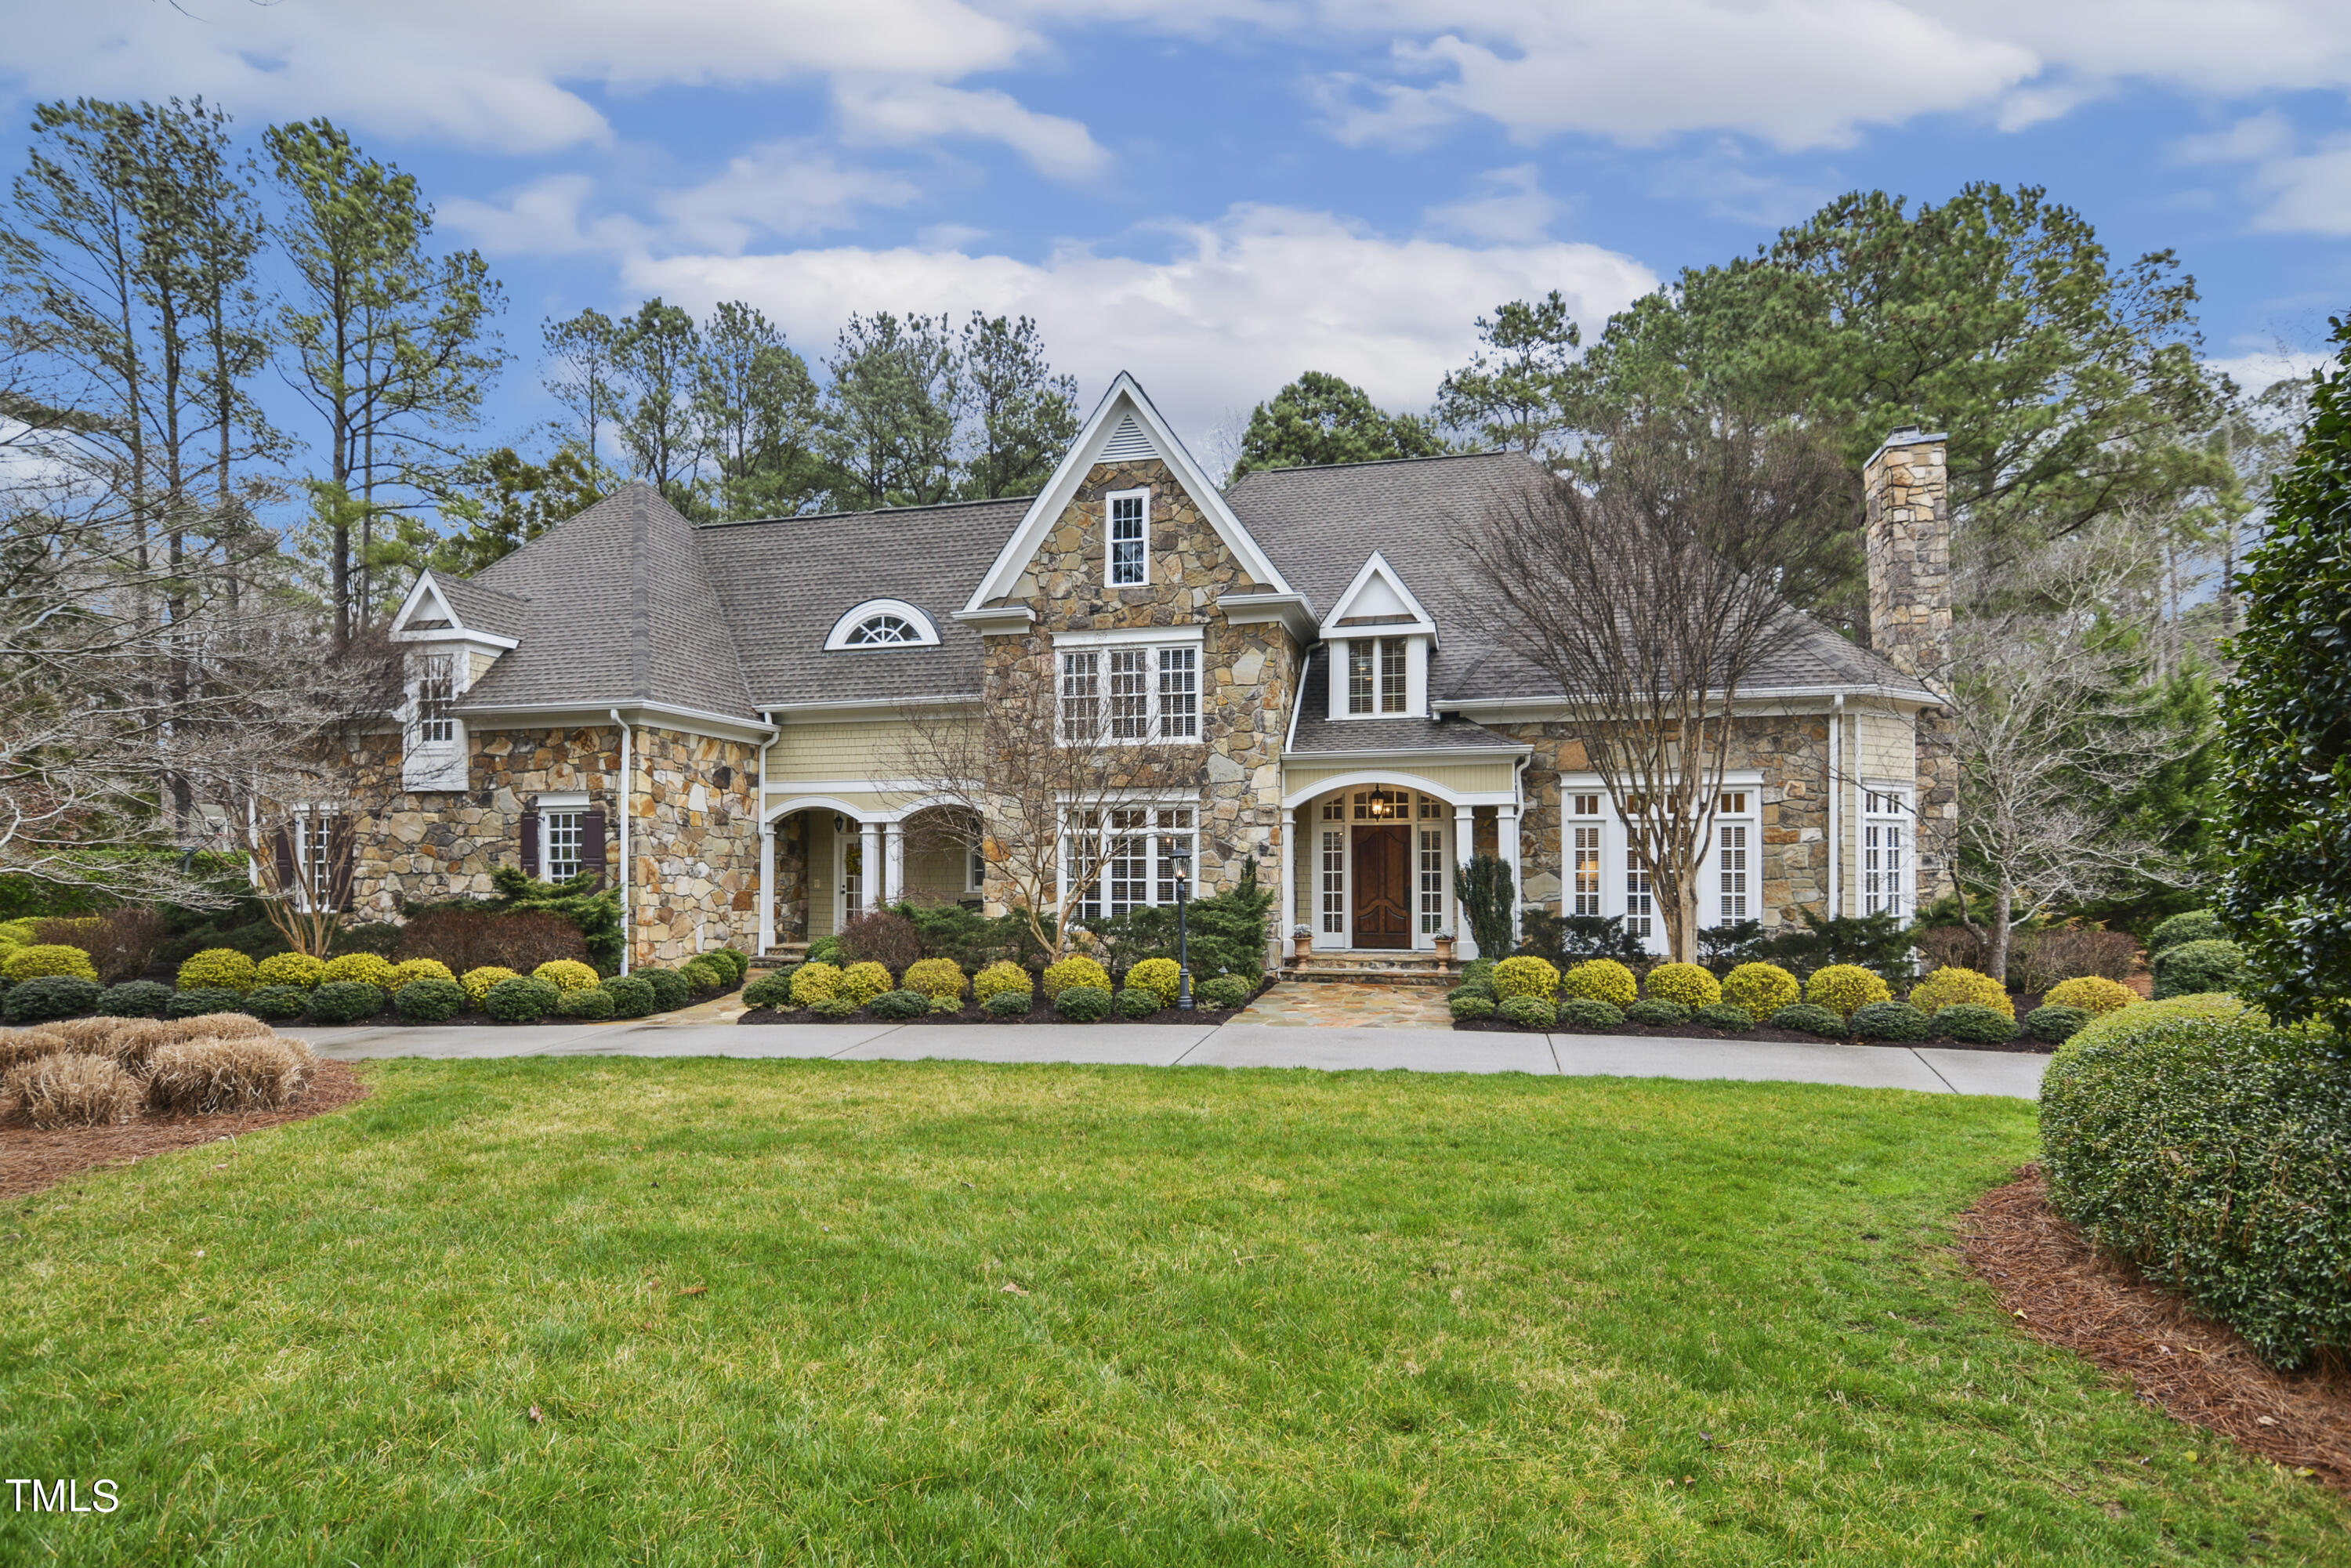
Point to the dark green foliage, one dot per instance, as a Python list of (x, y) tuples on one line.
[(824, 950), (703, 975), (254, 938), (380, 937), (670, 989), (1975, 1025), (429, 1001), (592, 1002), (1466, 1003), (1319, 419), (972, 939), (1478, 971), (1727, 1017), (519, 1001), (1527, 1012), (1880, 943), (1589, 1012), (2192, 969), (899, 1005), (508, 502), (632, 996), (1657, 1012), (2056, 1026), (148, 999), (1222, 991), (1010, 1004), (1482, 986), (203, 999), (836, 1008), (1485, 892), (1807, 1019), (596, 912), (1227, 932), (773, 989), (349, 1001), (279, 1003), (1134, 1002), (2217, 1156), (2285, 724), (1892, 1021), (1083, 1004), (56, 997), (2196, 925), (1570, 939), (739, 963)]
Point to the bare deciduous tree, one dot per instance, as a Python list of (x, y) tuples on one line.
[(1043, 762), (1651, 583)]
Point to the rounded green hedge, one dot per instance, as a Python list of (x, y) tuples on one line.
[(135, 1000), (704, 974), (1725, 1016), (1975, 1025), (1528, 1012), (198, 1000), (1470, 1002), (1010, 1004), (1083, 1004), (594, 1002), (345, 1002), (521, 1001), (2056, 1026), (1657, 1012), (1222, 991), (773, 989), (670, 989), (836, 1008), (737, 964), (278, 1003), (899, 1005), (429, 1001), (2193, 969), (632, 996), (1136, 1002), (1891, 1020), (2216, 1155), (47, 997), (2196, 925), (1591, 1012), (1806, 1018)]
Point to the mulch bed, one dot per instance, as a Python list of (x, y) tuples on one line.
[(2064, 1292), (2025, 1045), (32, 1158)]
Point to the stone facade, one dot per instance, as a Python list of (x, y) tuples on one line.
[(695, 839), (1908, 525)]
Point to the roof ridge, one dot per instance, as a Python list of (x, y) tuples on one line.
[(1384, 463), (864, 512)]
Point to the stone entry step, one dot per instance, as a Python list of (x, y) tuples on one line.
[(1373, 969)]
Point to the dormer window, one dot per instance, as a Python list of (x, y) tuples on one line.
[(880, 623), (880, 631), (1130, 526), (437, 700), (1379, 676)]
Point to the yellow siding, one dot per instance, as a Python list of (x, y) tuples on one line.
[(1456, 778), (1887, 747), (837, 750)]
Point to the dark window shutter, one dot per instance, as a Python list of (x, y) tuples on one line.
[(591, 840), (342, 841), (281, 849), (530, 843)]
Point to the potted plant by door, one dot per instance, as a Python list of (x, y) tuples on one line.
[(1301, 943), (1444, 947)]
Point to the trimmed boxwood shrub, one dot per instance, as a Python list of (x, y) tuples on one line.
[(278, 1003), (48, 958), (1010, 1004), (1977, 1025), (934, 978), (218, 969), (1725, 1017), (297, 970), (1467, 1003), (595, 1002), (1078, 970), (2196, 925), (2216, 1155), (1137, 1002), (1892, 1021), (47, 996), (1657, 1012), (2056, 1026), (1525, 976), (632, 996), (1847, 988), (899, 1004), (345, 1002), (1591, 1012), (1602, 980), (565, 974), (703, 975), (998, 977), (522, 1000), (1685, 983), (1083, 1004), (1954, 986), (669, 989), (862, 982), (737, 964), (837, 1008), (429, 1000), (137, 999), (1223, 992), (2193, 969), (365, 968), (477, 982), (1163, 978), (769, 991), (196, 1001), (1527, 1012), (1806, 1018), (1761, 989), (2091, 993)]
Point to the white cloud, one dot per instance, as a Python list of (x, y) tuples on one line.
[(2255, 372), (2255, 136), (1511, 206), (1242, 305), (899, 112), (2300, 189)]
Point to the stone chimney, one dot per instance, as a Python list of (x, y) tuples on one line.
[(1907, 520)]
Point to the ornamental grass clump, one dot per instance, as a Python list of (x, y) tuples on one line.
[(2094, 994), (237, 1074), (815, 982), (289, 969), (1761, 989), (1845, 988), (1078, 970), (863, 982), (48, 960), (1601, 980), (28, 1044), (358, 969), (1687, 984), (1525, 975), (73, 1089), (1953, 987), (1163, 978)]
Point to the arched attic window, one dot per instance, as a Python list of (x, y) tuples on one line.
[(881, 623)]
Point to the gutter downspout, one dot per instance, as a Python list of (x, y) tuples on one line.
[(1518, 841), (628, 781), (1836, 803), (766, 937)]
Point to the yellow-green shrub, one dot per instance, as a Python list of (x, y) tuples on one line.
[(860, 983), (815, 982), (477, 982), (567, 974), (1953, 987), (1685, 983), (1075, 971), (412, 969), (935, 977), (1761, 989), (1845, 988), (997, 978), (2129, 1026), (17, 933), (2094, 994), (366, 968), (289, 969), (1163, 978), (1601, 980), (48, 958), (1525, 976)]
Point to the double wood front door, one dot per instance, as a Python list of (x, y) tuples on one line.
[(1382, 887)]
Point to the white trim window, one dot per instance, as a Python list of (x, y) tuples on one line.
[(1586, 836), (437, 700), (1434, 871), (1640, 897), (1736, 840), (1128, 561), (881, 623), (1379, 676), (1884, 852), (1333, 868), (1136, 691), (559, 837), (1136, 848), (316, 841)]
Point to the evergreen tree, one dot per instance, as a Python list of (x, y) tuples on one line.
[(890, 412), (1319, 419), (506, 502), (1021, 417), (658, 355), (1517, 389), (758, 411), (582, 373)]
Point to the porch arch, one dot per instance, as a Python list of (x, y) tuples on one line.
[(1332, 895)]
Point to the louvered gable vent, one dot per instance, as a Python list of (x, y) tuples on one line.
[(1127, 442)]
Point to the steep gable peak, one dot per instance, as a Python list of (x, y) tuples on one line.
[(1378, 598)]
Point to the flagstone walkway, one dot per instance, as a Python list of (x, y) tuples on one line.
[(1321, 1003)]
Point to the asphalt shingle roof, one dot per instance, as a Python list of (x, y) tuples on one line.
[(1317, 731)]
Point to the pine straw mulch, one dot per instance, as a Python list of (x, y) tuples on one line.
[(2064, 1293), (31, 1158)]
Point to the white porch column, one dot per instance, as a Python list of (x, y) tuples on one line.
[(1465, 846), (766, 887), (869, 845), (1506, 846), (894, 861), (1287, 904)]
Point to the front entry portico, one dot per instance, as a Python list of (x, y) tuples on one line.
[(1374, 867)]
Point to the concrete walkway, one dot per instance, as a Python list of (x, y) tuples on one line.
[(1237, 1044)]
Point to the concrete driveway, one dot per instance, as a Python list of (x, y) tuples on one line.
[(1929, 1070)]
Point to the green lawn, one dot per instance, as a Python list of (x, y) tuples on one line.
[(1269, 1318)]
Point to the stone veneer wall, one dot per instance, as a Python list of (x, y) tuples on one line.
[(1907, 527), (696, 842), (1249, 674)]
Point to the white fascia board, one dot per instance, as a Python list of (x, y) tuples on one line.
[(867, 708), (424, 589), (999, 620), (1124, 396), (1192, 633), (1378, 565), (459, 634), (724, 727), (1421, 756), (1293, 612)]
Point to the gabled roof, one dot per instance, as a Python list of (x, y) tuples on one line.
[(1123, 423), (1317, 731), (1378, 598)]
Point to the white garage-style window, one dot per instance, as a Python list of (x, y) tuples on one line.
[(882, 624)]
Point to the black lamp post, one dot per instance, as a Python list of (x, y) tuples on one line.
[(1180, 852)]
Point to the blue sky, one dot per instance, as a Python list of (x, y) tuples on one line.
[(1217, 195)]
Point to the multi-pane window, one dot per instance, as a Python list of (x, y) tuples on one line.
[(853, 877), (318, 859), (1174, 847), (1137, 848), (1334, 882), (975, 874), (437, 700), (1584, 855), (560, 844), (1730, 865), (1137, 693), (1640, 901), (1885, 864), (1129, 551), (1359, 676), (1391, 668), (1432, 881), (1126, 874), (1376, 674), (884, 631)]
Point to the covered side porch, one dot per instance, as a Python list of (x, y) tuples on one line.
[(825, 859)]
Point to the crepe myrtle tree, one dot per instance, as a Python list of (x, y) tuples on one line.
[(1037, 766), (1653, 581)]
